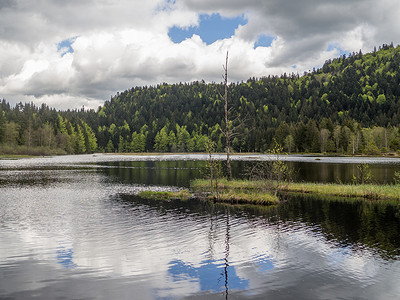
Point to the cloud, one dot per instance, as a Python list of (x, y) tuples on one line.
[(74, 52)]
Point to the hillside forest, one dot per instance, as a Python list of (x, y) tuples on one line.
[(351, 105)]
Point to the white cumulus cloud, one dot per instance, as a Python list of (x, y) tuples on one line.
[(120, 44)]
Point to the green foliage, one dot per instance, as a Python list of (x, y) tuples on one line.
[(90, 138), (346, 191), (310, 113), (138, 143), (161, 140), (396, 177), (79, 142), (278, 169), (363, 174), (381, 99), (371, 148), (236, 192), (354, 88), (289, 143), (110, 147), (2, 126), (182, 137)]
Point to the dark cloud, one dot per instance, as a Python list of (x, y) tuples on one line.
[(7, 4), (308, 26)]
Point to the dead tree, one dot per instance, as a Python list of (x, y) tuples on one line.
[(229, 132), (228, 160)]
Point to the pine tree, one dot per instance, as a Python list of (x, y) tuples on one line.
[(2, 126), (110, 147), (90, 138), (79, 140), (161, 140)]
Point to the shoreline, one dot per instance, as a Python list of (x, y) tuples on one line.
[(251, 191), (252, 156)]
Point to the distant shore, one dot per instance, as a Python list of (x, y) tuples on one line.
[(155, 156)]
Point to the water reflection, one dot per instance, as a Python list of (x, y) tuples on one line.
[(212, 276), (86, 234), (181, 172), (65, 258), (155, 172), (335, 172)]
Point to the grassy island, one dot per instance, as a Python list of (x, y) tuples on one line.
[(265, 193), (235, 192), (262, 192), (365, 191)]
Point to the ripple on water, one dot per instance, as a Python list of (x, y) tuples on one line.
[(89, 236)]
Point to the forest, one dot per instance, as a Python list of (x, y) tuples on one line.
[(351, 105)]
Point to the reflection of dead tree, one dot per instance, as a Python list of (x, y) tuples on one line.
[(227, 241), (212, 231)]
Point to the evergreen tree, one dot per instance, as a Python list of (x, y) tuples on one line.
[(2, 126), (90, 138), (79, 140), (110, 147), (161, 141)]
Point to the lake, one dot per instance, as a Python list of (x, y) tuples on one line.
[(73, 227)]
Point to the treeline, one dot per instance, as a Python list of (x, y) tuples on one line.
[(27, 129), (350, 105), (361, 89), (348, 138)]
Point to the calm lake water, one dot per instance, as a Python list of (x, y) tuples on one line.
[(73, 227)]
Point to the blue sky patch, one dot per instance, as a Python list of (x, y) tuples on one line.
[(65, 46), (336, 46), (264, 41), (211, 28), (166, 5), (211, 276)]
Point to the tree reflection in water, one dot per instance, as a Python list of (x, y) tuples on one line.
[(227, 236)]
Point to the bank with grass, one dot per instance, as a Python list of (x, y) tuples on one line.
[(364, 191), (234, 192), (254, 191)]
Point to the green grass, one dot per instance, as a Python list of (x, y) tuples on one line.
[(236, 192), (366, 191), (223, 184), (360, 191), (165, 195)]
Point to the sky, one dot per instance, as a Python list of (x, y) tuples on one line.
[(70, 54)]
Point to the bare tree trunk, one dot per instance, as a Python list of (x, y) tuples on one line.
[(228, 160), (386, 139)]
